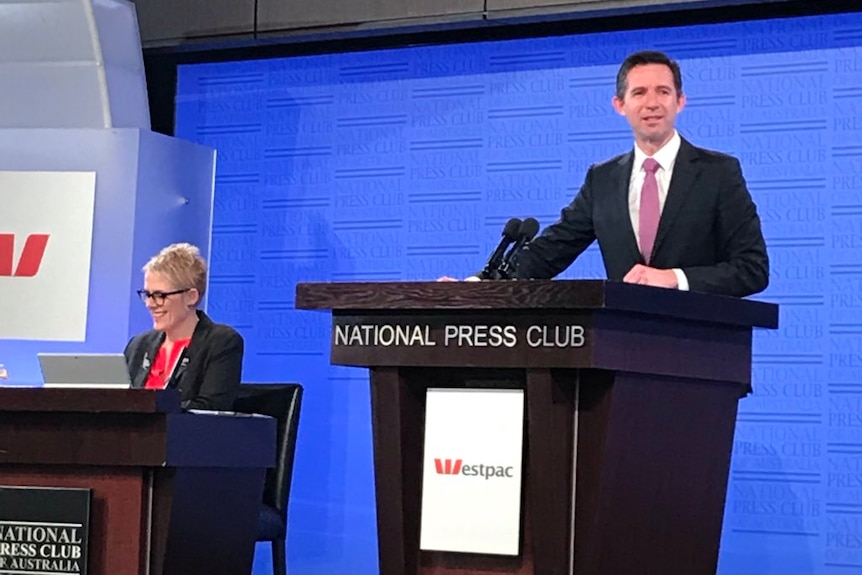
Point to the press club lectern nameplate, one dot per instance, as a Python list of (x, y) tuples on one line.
[(631, 399), (44, 530)]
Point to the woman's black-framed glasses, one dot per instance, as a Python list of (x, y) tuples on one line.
[(158, 297)]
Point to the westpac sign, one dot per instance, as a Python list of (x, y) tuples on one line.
[(471, 483), (46, 234), (28, 262)]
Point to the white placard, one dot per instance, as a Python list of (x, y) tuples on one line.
[(46, 236), (471, 490)]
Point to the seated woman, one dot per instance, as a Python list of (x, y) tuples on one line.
[(185, 349)]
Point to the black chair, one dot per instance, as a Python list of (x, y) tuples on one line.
[(281, 401)]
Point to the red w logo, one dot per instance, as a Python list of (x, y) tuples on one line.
[(31, 256), (448, 466)]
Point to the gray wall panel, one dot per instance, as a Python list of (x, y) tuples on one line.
[(228, 22), (569, 6), (578, 5), (291, 14), (169, 20)]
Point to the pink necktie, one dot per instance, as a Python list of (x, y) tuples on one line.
[(649, 210)]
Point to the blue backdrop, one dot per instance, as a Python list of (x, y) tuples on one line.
[(404, 164)]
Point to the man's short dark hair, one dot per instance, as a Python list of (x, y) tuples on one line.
[(647, 57)]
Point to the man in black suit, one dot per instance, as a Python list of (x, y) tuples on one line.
[(666, 214)]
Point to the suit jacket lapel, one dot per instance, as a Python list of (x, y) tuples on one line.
[(620, 184), (180, 368), (192, 357), (147, 362), (685, 171), (189, 359)]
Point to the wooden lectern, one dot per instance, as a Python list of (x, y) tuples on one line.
[(629, 431), (173, 493)]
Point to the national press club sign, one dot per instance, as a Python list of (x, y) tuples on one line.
[(44, 530), (430, 340)]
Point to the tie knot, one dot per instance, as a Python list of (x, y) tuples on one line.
[(651, 166)]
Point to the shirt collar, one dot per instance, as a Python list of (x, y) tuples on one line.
[(666, 156)]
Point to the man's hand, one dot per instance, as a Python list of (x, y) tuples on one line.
[(643, 275)]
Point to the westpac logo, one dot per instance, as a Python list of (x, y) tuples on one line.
[(457, 467), (30, 260), (46, 241)]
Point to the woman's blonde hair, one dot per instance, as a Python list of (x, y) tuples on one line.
[(182, 265)]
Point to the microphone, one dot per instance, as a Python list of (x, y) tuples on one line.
[(528, 230), (510, 234)]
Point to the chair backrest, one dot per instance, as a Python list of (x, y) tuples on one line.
[(283, 402)]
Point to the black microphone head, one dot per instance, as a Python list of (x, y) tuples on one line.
[(512, 229), (529, 229), (511, 233)]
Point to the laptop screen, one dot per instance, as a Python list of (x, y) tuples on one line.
[(104, 370)]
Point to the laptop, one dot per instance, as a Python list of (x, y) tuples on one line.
[(80, 370)]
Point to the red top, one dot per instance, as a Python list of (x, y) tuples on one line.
[(163, 366)]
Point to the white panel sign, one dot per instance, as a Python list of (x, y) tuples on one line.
[(471, 490), (46, 235)]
